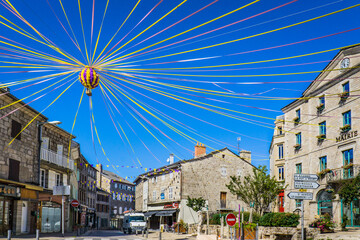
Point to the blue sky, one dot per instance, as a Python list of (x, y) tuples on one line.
[(253, 137)]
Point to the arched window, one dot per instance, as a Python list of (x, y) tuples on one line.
[(324, 200)]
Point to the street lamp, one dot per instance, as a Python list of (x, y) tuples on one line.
[(39, 128)]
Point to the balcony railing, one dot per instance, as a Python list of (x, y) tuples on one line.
[(344, 173), (57, 159)]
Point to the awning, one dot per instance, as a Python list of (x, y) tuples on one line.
[(165, 213), (149, 214)]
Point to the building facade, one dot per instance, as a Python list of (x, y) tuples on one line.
[(19, 179), (56, 167), (319, 134), (162, 193), (102, 209)]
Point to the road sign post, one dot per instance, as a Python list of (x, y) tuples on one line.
[(303, 182)]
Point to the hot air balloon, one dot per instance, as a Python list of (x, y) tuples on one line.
[(89, 79)]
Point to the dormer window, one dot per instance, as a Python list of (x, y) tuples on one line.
[(346, 91)]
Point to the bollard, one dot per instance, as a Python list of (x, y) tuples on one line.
[(160, 235), (136, 232), (37, 234), (143, 233), (147, 233), (9, 235)]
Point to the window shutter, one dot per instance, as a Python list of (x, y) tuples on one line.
[(15, 129), (14, 167), (46, 178), (61, 180)]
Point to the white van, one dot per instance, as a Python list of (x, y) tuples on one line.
[(134, 222)]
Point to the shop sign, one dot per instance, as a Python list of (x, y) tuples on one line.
[(173, 205), (9, 191), (346, 136)]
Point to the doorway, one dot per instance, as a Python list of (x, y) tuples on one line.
[(24, 217), (6, 210), (352, 211), (223, 200)]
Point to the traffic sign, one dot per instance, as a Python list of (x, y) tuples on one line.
[(306, 185), (75, 203), (300, 195), (230, 219), (306, 177)]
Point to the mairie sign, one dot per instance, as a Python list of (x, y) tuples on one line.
[(306, 185), (300, 195), (306, 177)]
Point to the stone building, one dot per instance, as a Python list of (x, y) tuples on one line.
[(102, 209), (86, 179), (318, 134), (56, 167), (19, 181), (121, 192), (162, 193)]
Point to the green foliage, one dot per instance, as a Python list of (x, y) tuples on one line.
[(323, 223), (350, 190), (344, 221), (279, 220), (197, 204), (259, 188), (215, 218)]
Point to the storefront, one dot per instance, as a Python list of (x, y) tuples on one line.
[(50, 217), (162, 216), (8, 197)]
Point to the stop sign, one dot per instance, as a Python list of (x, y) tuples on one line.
[(75, 203), (230, 219)]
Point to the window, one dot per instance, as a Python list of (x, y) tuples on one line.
[(123, 197), (154, 196), (156, 179), (281, 173), (323, 163), (116, 185), (298, 203), (58, 179), (322, 128), (14, 169), (223, 171), (297, 115), (113, 196), (163, 177), (120, 210), (281, 151), (322, 101), (171, 175), (298, 139), (238, 173), (280, 130), (153, 180), (299, 168), (15, 130), (42, 178), (170, 193), (324, 201), (346, 88), (348, 158), (118, 197), (347, 119)]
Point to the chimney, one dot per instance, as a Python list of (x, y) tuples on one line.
[(171, 158), (200, 150), (246, 155)]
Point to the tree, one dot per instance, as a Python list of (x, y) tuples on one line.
[(197, 204), (350, 190), (258, 188)]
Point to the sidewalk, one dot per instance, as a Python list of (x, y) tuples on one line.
[(52, 236), (353, 234), (167, 236)]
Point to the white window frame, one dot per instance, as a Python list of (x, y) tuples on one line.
[(163, 177), (57, 179), (154, 195), (171, 175)]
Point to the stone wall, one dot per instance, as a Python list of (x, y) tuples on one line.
[(208, 177)]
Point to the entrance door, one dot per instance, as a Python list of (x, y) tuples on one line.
[(5, 215), (24, 216), (281, 201), (352, 211), (223, 200)]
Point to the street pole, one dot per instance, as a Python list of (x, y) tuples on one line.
[(63, 215), (302, 220), (207, 221), (222, 227)]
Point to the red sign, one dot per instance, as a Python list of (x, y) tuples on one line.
[(75, 203), (173, 205), (230, 219)]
